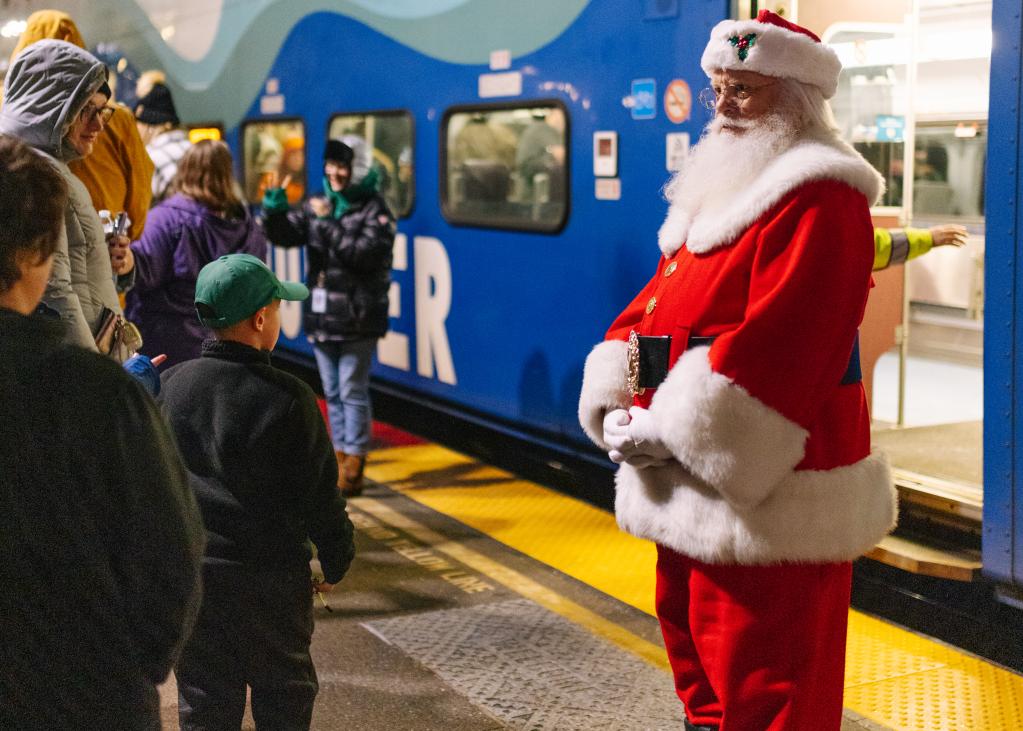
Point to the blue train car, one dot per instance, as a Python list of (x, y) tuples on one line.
[(524, 146), (500, 288)]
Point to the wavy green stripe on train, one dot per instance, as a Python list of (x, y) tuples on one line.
[(217, 52)]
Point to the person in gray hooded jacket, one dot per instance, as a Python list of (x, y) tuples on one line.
[(55, 99)]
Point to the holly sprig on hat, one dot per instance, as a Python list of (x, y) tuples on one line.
[(743, 44)]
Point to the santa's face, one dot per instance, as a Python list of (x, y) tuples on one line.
[(709, 179), (742, 98)]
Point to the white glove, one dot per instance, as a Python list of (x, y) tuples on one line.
[(616, 427), (632, 438)]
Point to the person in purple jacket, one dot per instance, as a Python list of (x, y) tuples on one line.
[(201, 222)]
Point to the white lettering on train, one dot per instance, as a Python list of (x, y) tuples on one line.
[(287, 265), (392, 349), (433, 303)]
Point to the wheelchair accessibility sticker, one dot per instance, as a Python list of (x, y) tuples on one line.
[(644, 98)]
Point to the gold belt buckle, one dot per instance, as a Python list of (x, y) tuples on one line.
[(633, 365)]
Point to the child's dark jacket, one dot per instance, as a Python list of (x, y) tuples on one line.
[(259, 460)]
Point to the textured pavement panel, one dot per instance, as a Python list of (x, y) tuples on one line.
[(536, 671)]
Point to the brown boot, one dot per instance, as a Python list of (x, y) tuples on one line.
[(341, 457), (351, 475)]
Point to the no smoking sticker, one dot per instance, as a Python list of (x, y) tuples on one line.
[(678, 101)]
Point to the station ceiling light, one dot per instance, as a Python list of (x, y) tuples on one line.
[(13, 28)]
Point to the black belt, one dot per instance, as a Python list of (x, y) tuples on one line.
[(649, 356)]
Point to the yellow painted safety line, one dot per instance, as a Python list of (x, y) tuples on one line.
[(519, 583), (894, 677), (575, 537)]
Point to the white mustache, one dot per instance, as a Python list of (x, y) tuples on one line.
[(719, 123)]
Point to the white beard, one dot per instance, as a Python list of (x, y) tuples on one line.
[(723, 163)]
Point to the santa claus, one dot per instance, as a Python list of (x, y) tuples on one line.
[(729, 392)]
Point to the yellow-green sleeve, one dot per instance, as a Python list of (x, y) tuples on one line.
[(898, 245)]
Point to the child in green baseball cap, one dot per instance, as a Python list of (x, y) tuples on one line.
[(238, 297), (264, 474)]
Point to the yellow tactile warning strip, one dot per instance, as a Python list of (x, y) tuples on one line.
[(911, 683), (576, 538), (893, 677)]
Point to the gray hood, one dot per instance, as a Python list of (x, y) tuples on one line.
[(46, 87)]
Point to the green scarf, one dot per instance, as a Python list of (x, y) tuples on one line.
[(345, 199)]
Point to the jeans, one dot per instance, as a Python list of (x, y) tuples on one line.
[(344, 371)]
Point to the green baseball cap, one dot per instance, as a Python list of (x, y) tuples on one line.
[(235, 286)]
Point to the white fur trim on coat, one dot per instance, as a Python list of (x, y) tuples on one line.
[(802, 163), (728, 439), (775, 51), (605, 387), (811, 516)]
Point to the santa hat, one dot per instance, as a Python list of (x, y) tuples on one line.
[(772, 46)]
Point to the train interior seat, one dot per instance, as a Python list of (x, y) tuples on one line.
[(485, 180), (932, 196)]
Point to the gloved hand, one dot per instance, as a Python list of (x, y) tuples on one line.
[(633, 439), (616, 427), (142, 369)]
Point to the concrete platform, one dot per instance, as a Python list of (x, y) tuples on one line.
[(481, 601)]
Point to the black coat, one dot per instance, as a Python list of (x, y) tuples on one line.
[(259, 461), (100, 538), (350, 256)]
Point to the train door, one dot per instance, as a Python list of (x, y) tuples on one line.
[(913, 99)]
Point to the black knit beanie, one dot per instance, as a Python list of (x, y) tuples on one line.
[(157, 107), (338, 151)]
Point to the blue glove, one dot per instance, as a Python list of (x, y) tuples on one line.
[(141, 368)]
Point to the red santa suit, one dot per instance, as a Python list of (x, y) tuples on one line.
[(772, 490)]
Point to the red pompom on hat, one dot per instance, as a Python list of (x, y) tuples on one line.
[(772, 46)]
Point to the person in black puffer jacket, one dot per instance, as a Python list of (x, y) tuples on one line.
[(349, 235)]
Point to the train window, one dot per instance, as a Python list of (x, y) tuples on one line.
[(506, 166), (390, 134), (872, 99), (948, 170), (273, 151)]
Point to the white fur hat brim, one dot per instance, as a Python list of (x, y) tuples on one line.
[(772, 51)]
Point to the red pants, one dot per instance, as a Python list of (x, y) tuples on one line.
[(755, 648)]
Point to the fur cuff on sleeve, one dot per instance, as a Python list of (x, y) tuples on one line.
[(605, 387), (723, 435)]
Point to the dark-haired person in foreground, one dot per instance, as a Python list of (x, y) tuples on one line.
[(100, 537)]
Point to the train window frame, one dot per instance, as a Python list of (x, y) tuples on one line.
[(246, 123), (503, 224), (391, 112)]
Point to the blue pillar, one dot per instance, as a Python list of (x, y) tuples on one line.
[(1003, 324)]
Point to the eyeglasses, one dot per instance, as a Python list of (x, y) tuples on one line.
[(741, 92), (91, 111)]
